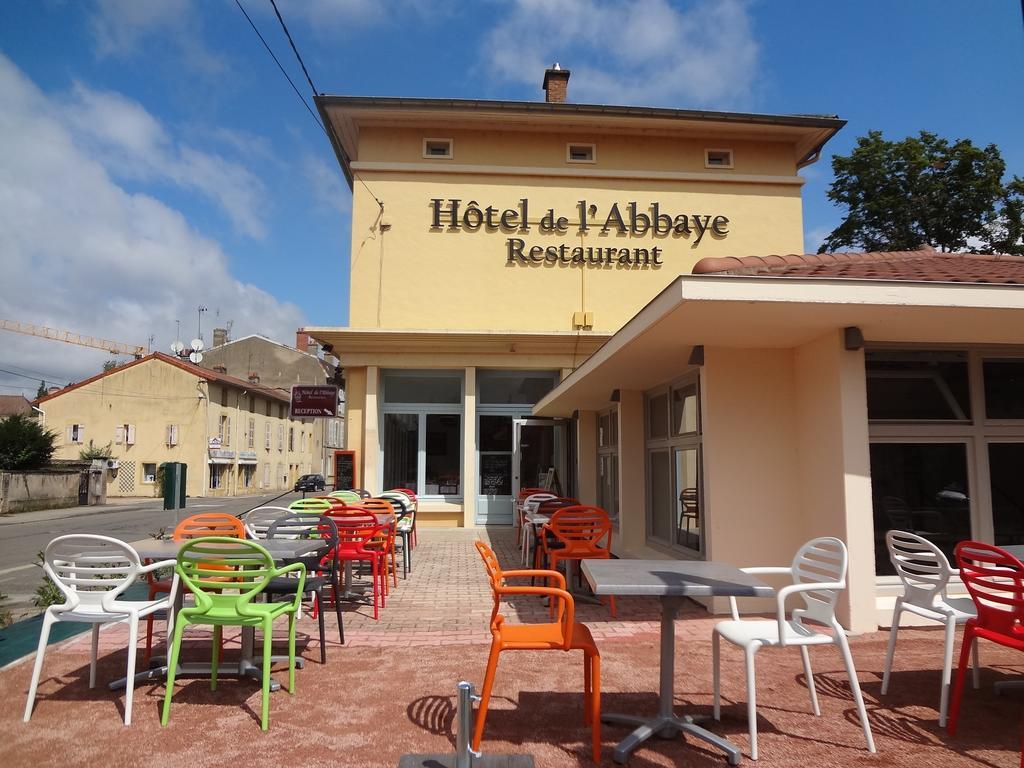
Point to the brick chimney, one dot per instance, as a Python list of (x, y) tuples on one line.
[(220, 336), (556, 84), (305, 343)]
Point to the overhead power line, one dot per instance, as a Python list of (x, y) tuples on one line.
[(266, 45), (294, 49)]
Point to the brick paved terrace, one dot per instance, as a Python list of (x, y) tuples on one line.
[(391, 690)]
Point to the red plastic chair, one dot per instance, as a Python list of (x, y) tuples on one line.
[(356, 534), (995, 580), (192, 527), (583, 533)]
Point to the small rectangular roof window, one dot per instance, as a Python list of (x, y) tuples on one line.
[(718, 158), (580, 153), (437, 148)]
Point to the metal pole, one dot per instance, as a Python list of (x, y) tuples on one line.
[(463, 754)]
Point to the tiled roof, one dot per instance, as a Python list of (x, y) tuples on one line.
[(195, 370), (11, 404), (923, 264)]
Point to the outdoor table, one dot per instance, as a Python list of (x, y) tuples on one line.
[(671, 581), (166, 549), (534, 520)]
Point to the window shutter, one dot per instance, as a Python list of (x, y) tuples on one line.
[(71, 434), (266, 437), (81, 433), (172, 434), (131, 434), (119, 434), (227, 432)]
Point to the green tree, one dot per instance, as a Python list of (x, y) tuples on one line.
[(97, 452), (900, 195), (24, 443), (41, 392), (110, 365)]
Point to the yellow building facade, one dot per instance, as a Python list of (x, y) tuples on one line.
[(235, 437), (496, 245)]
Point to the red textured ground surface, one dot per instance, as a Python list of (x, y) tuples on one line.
[(392, 689)]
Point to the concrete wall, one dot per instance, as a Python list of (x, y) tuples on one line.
[(26, 491), (834, 464)]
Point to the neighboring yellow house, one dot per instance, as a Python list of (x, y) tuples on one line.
[(496, 244), (236, 437)]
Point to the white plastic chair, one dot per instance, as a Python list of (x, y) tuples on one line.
[(925, 573), (257, 521), (530, 505), (92, 572), (819, 575)]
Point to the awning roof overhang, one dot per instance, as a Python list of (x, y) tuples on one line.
[(783, 313)]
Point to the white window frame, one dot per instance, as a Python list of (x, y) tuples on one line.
[(607, 452), (568, 152), (976, 433), (251, 437), (670, 444), (718, 166), (155, 470), (267, 436), (451, 149), (421, 411)]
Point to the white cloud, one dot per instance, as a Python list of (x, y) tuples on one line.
[(132, 144), (325, 182), (645, 52), (815, 236), (121, 28), (341, 16), (82, 253)]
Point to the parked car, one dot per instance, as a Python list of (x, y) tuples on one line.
[(310, 483)]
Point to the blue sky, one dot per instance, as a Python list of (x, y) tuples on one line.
[(153, 158)]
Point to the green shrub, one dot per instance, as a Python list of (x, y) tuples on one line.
[(93, 452), (25, 443), (5, 613), (47, 593)]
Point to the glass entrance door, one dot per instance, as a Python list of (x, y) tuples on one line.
[(539, 453)]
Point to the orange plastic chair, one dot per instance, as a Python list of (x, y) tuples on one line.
[(192, 527), (584, 533), (548, 507), (387, 536), (564, 634)]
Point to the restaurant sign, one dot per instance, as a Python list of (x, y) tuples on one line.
[(630, 220), (312, 401)]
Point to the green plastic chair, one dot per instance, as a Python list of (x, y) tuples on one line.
[(223, 601), (313, 506), (349, 497)]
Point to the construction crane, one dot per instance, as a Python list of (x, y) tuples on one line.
[(117, 347)]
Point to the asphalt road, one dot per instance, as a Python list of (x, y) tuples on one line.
[(23, 535)]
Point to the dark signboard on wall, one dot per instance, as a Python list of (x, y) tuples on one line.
[(495, 474), (313, 401), (344, 470)]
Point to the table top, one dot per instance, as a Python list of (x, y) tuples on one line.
[(281, 549), (672, 578)]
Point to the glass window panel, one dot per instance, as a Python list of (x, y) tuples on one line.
[(444, 439), (657, 417), (660, 494), (506, 388), (1006, 460), (496, 474), (401, 450), (495, 433), (604, 430), (422, 389), (614, 428), (1004, 389), (684, 410), (608, 485), (921, 488), (688, 520), (912, 386)]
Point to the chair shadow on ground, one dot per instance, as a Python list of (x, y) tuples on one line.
[(231, 691), (434, 714)]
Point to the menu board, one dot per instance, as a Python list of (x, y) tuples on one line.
[(495, 474), (344, 470)]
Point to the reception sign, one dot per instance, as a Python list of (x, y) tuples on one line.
[(314, 401)]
